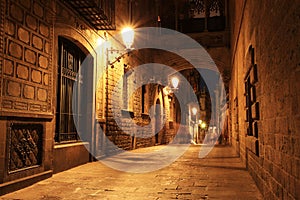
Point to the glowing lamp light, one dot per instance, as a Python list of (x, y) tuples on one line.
[(175, 82), (203, 125), (194, 111), (128, 37), (100, 41)]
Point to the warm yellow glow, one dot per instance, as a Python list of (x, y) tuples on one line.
[(203, 125), (175, 82), (128, 37), (194, 111), (166, 90), (100, 41), (200, 121)]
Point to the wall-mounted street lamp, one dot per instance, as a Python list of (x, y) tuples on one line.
[(174, 82), (173, 86), (193, 123), (194, 111), (128, 37), (203, 125)]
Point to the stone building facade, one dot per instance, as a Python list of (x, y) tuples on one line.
[(47, 47), (264, 93), (26, 90)]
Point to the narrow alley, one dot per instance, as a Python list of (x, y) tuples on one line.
[(149, 99)]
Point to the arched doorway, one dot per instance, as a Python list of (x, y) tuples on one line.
[(158, 122)]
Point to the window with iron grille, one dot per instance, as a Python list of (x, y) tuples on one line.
[(70, 59), (251, 104)]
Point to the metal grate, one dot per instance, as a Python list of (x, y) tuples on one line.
[(99, 13), (69, 62)]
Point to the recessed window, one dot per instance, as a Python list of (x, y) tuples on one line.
[(70, 59)]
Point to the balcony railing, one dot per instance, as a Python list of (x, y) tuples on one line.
[(99, 13)]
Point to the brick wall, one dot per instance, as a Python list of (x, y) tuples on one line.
[(272, 30), (119, 102)]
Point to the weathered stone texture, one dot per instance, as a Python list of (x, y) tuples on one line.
[(28, 44), (43, 62), (42, 94), (37, 42), (29, 92), (15, 50), (22, 72), (8, 67), (23, 35), (13, 89), (10, 28), (31, 22), (38, 9), (36, 76), (274, 169), (16, 12), (30, 56)]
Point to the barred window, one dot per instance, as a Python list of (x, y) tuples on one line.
[(251, 103), (70, 58)]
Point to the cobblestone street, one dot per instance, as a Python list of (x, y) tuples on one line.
[(220, 175)]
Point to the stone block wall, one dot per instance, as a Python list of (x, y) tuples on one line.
[(271, 30), (29, 33), (27, 63), (25, 92)]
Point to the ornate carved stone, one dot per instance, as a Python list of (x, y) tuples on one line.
[(24, 145)]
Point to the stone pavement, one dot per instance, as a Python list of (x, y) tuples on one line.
[(220, 175)]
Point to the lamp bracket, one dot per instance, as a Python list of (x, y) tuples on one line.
[(118, 58)]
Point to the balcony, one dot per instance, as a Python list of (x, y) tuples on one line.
[(100, 14)]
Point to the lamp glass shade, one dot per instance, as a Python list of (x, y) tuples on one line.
[(175, 82), (194, 111), (128, 37)]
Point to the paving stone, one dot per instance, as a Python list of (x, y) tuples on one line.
[(221, 175)]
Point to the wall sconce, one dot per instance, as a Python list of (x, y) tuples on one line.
[(175, 82), (173, 86), (203, 125), (194, 111), (128, 38)]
